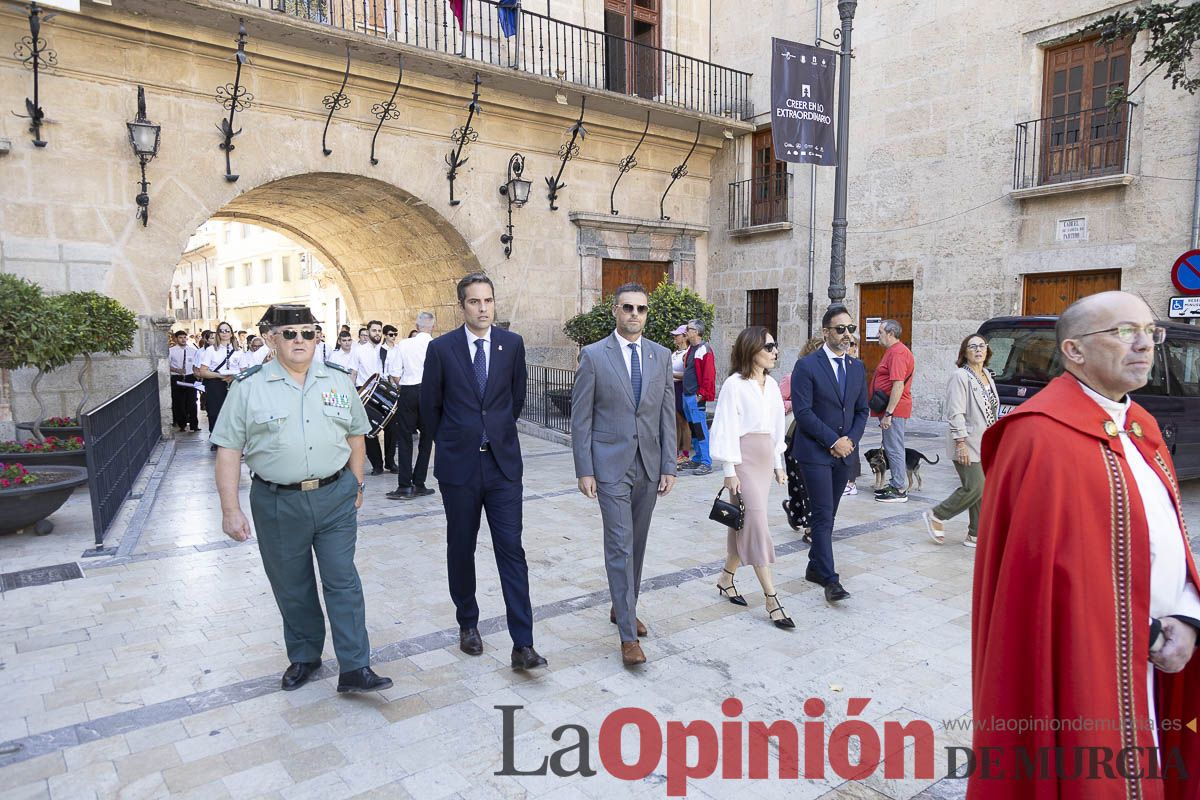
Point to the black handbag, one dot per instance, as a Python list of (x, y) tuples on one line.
[(879, 401), (728, 513)]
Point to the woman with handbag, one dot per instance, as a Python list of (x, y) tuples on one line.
[(972, 405), (747, 436), (797, 507)]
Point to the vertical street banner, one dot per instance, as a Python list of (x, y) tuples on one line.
[(802, 103)]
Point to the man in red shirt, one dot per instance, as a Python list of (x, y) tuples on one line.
[(699, 386), (893, 377)]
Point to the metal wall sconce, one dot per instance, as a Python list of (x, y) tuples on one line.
[(516, 189), (144, 137)]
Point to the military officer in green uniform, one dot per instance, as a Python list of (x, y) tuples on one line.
[(300, 426)]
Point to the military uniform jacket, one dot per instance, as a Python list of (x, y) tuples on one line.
[(290, 433)]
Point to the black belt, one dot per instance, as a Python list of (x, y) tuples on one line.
[(302, 486)]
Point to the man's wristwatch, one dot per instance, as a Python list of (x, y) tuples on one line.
[(362, 487)]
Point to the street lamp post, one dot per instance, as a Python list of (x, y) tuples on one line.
[(837, 259)]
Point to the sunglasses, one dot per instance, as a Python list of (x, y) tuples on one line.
[(290, 335), (840, 329), (389, 334), (629, 308), (771, 347)]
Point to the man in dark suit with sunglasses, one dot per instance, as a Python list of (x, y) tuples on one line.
[(829, 401)]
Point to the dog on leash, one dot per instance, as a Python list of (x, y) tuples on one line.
[(878, 461)]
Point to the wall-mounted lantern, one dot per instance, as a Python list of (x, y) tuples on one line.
[(516, 189), (144, 137)]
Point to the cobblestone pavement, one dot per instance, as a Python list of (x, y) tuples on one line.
[(157, 673)]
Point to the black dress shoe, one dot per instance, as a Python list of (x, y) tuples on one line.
[(470, 642), (403, 493), (811, 577), (392, 469), (297, 674), (835, 592), (421, 491), (377, 470), (526, 658), (362, 680)]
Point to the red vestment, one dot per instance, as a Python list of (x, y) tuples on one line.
[(1060, 613)]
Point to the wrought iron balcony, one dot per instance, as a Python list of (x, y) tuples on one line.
[(539, 44), (760, 201), (1076, 146)]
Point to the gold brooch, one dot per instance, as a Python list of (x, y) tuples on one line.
[(1137, 429), (1110, 428)]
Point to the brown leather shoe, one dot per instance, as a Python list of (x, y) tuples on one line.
[(631, 654), (612, 617)]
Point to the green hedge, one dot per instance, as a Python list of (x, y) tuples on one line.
[(670, 306)]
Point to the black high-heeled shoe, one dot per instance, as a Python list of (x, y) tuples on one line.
[(786, 622), (734, 598)]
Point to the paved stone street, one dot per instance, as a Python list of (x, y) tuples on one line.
[(158, 672)]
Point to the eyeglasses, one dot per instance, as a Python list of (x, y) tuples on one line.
[(771, 347), (629, 308), (840, 329), (982, 347), (1129, 333), (291, 334)]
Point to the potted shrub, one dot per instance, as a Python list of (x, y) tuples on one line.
[(28, 496), (104, 326), (670, 307), (25, 322), (50, 450), (61, 427)]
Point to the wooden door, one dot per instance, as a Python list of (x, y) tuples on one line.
[(768, 185), (1081, 138), (633, 59), (616, 272), (883, 301), (1049, 294)]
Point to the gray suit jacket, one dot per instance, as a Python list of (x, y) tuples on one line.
[(607, 432)]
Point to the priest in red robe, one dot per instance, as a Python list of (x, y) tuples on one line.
[(1085, 609)]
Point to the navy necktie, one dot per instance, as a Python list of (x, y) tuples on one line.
[(635, 374), (480, 364), (841, 376)]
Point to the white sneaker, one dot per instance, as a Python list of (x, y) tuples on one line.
[(937, 531), (969, 541), (850, 489)]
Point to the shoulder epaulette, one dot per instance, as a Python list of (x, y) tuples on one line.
[(247, 372), (337, 366)]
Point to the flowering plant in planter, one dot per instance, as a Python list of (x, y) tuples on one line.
[(60, 422), (13, 475), (51, 444)]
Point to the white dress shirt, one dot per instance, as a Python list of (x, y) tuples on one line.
[(182, 359), (627, 354), (200, 357), (744, 408), (407, 362), (344, 358), (366, 361), (833, 362), (215, 356), (1171, 592), (487, 348)]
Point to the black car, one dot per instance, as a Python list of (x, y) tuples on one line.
[(1024, 359)]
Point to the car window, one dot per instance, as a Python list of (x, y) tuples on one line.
[(1023, 356), (1183, 357), (1157, 383)]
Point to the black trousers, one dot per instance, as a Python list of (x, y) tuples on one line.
[(374, 453), (498, 497), (408, 422), (825, 483), (183, 403), (215, 390)]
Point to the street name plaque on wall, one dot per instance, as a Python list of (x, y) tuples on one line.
[(1072, 230)]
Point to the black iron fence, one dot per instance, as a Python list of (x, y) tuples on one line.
[(538, 44), (760, 201), (120, 436), (1088, 143), (548, 397)]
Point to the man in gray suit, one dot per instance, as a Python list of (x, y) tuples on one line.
[(623, 437)]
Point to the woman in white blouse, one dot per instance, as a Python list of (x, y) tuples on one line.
[(747, 436), (218, 365)]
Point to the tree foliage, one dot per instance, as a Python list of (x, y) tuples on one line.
[(25, 322), (1173, 31), (670, 306), (106, 326)]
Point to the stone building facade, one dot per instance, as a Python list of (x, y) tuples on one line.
[(944, 200)]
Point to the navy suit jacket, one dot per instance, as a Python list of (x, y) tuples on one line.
[(821, 416), (456, 415)]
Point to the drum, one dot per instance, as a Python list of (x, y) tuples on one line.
[(381, 400)]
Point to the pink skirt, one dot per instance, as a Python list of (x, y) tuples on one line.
[(752, 544)]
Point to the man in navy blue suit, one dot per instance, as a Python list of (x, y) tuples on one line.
[(472, 392), (829, 401)]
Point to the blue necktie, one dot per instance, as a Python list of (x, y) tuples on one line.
[(635, 374), (841, 377), (480, 364)]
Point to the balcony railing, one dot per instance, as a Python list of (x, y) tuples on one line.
[(1089, 143), (537, 44), (760, 201)]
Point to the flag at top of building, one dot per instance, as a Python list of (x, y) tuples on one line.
[(509, 12)]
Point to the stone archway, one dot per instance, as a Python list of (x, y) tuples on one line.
[(392, 253)]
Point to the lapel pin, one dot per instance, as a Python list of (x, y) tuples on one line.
[(499, 347)]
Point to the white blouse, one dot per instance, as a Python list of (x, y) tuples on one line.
[(743, 408)]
